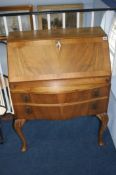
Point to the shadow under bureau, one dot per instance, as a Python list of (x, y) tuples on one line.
[(58, 75)]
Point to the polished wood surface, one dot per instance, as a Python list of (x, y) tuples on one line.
[(3, 38), (55, 96), (18, 124), (104, 121), (71, 60), (28, 85), (15, 8), (61, 111), (58, 75), (56, 34)]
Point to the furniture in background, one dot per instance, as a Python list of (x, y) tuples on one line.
[(59, 75), (15, 23), (56, 19)]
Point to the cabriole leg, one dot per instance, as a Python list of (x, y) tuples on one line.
[(18, 124), (104, 120)]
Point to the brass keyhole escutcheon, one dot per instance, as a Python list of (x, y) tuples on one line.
[(28, 110), (96, 93), (94, 106), (25, 98), (58, 45)]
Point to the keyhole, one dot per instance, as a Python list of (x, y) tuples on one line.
[(58, 45)]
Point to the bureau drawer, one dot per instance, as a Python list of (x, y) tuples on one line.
[(24, 112), (61, 111), (20, 97), (60, 97)]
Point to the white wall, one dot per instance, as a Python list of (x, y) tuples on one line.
[(112, 117), (98, 15), (107, 25)]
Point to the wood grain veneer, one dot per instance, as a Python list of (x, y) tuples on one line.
[(59, 74)]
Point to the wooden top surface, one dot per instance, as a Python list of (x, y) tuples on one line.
[(59, 33), (2, 38), (37, 57)]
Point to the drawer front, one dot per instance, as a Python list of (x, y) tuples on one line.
[(61, 111), (20, 98), (57, 98), (24, 112)]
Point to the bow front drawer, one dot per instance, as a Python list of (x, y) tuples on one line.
[(61, 111), (24, 111), (61, 96)]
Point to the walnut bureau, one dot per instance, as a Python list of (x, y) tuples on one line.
[(58, 75)]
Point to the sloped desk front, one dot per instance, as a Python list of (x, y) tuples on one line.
[(58, 75)]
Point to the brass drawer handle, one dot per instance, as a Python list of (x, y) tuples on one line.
[(25, 98), (94, 106), (28, 110), (96, 93)]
